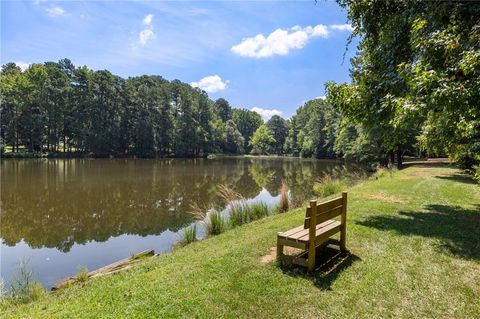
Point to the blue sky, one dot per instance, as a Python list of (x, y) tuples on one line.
[(271, 56)]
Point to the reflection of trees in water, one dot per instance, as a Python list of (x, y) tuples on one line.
[(62, 202), (299, 174), (56, 203)]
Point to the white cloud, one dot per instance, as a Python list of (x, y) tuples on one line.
[(145, 36), (321, 97), (266, 114), (279, 42), (211, 84), (147, 33), (55, 11), (22, 65), (342, 27), (148, 19)]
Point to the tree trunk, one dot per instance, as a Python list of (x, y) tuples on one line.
[(399, 159), (392, 158)]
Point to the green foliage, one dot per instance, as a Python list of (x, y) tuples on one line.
[(279, 129), (247, 123), (57, 107), (415, 78), (313, 130), (223, 109), (262, 140), (476, 173)]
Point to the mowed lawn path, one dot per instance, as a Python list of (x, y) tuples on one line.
[(415, 244)]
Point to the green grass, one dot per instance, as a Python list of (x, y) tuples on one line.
[(414, 239)]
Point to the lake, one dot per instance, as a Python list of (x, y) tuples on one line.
[(59, 214)]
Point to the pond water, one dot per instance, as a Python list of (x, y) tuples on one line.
[(59, 214)]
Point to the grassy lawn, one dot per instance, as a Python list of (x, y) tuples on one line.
[(414, 240)]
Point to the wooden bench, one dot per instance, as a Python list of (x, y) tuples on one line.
[(316, 231)]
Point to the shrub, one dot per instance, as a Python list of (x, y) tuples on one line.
[(476, 173)]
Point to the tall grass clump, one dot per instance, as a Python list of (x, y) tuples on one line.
[(382, 171), (238, 213), (82, 274), (23, 288), (256, 210), (236, 206), (328, 185), (211, 219), (284, 201), (216, 222), (189, 234), (337, 179)]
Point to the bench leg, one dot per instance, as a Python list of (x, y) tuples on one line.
[(279, 252), (342, 239), (311, 258)]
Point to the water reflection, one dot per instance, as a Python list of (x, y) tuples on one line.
[(62, 203)]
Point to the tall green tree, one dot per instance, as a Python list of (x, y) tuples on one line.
[(417, 62), (279, 128), (247, 123), (223, 109), (262, 141)]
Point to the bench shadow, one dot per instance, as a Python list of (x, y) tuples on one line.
[(330, 263), (456, 227)]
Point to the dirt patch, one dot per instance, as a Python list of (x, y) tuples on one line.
[(387, 198), (272, 255)]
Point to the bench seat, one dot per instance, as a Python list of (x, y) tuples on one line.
[(298, 237)]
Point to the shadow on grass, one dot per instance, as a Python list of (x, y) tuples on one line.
[(458, 178), (457, 228), (330, 264)]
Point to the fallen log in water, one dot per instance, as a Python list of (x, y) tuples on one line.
[(106, 270)]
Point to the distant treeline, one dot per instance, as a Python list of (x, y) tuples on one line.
[(59, 109)]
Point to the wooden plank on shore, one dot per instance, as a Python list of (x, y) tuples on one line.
[(106, 270)]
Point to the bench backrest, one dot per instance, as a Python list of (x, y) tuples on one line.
[(326, 210)]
